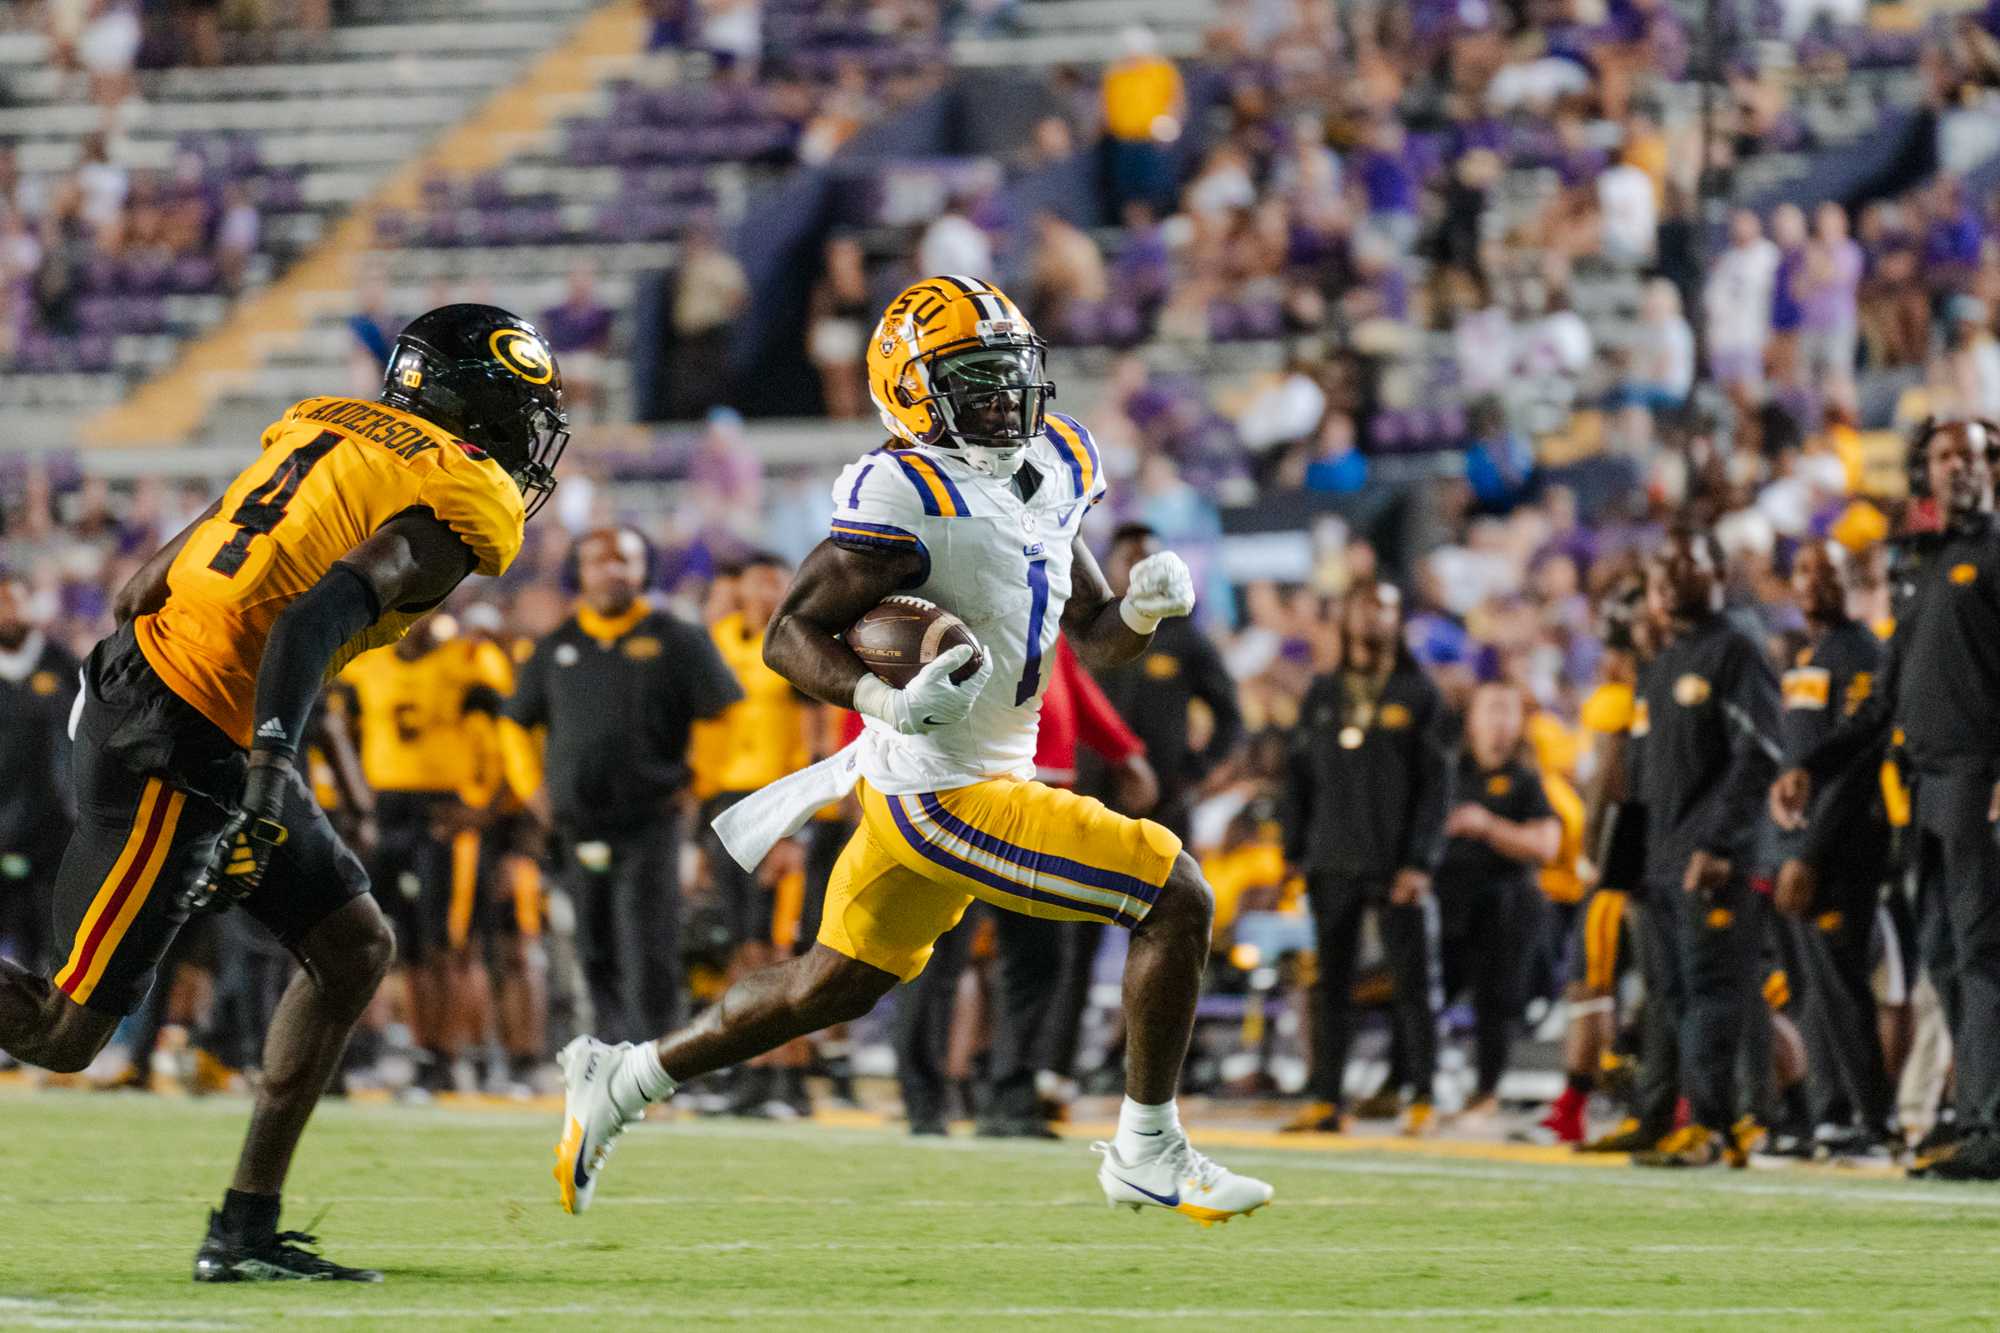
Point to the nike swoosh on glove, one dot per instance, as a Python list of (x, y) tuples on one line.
[(1161, 587), (930, 702)]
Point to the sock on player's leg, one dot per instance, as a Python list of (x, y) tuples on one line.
[(1143, 1130), (639, 1081), (250, 1217)]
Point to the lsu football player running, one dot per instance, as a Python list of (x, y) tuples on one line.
[(976, 504)]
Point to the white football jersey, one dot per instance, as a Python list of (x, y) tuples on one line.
[(999, 563)]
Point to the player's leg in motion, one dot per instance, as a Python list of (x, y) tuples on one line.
[(316, 901), (906, 877), (344, 959), (609, 1087), (39, 1025), (1150, 1161)]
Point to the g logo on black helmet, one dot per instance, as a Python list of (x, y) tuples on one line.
[(524, 354)]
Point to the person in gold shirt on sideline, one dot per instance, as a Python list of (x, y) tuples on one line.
[(500, 964), (755, 741), (423, 707), (354, 520)]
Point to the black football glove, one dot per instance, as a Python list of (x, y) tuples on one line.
[(248, 842)]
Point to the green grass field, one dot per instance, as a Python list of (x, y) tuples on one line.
[(735, 1225)]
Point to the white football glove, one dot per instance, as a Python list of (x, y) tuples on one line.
[(930, 701), (1161, 587)]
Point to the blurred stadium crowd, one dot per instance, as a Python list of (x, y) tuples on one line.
[(1506, 259)]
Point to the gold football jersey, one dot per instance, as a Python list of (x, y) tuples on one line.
[(332, 472)]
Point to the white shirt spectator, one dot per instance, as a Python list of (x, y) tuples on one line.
[(1557, 344), (954, 244), (238, 231), (1282, 412), (733, 28), (20, 250), (103, 186), (1485, 351), (1663, 351), (1531, 83), (1738, 298), (1630, 214), (1223, 185), (110, 40)]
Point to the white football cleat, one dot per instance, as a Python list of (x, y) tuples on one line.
[(1180, 1178), (591, 1121)]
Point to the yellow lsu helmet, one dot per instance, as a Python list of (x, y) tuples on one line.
[(954, 363)]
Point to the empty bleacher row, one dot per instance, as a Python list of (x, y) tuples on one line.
[(314, 124)]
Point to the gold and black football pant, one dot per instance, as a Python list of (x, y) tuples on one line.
[(147, 768)]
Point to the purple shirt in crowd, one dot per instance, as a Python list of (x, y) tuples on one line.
[(1786, 313), (571, 327), (1831, 304)]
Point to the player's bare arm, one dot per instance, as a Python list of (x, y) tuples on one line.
[(1091, 621), (833, 589), (1107, 630), (146, 591)]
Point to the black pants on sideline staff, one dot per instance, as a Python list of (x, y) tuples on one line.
[(824, 839), (1410, 938), (27, 884), (1700, 954), (1026, 965), (1833, 948), (1062, 1034), (744, 903), (922, 1036), (1951, 809), (626, 886), (1487, 931)]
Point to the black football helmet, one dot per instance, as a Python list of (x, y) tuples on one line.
[(490, 378)]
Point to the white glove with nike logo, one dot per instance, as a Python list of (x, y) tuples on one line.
[(930, 701), (1161, 587)]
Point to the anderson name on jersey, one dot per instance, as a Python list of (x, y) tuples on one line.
[(332, 472), (998, 562)]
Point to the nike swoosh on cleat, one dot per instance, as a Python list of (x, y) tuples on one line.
[(1149, 1133), (930, 721), (1164, 1200), (578, 1169)]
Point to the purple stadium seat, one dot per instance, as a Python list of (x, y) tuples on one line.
[(1123, 324), (195, 273)]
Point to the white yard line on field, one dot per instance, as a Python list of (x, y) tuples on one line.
[(822, 1314), (1497, 1245), (22, 1312)]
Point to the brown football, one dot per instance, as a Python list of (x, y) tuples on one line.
[(902, 635)]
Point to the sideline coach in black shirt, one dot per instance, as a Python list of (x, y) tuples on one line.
[(1940, 685), (1704, 729), (1499, 834), (1829, 885), (37, 685), (1367, 784), (618, 685)]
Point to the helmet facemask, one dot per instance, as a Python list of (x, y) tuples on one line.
[(990, 401), (548, 436)]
